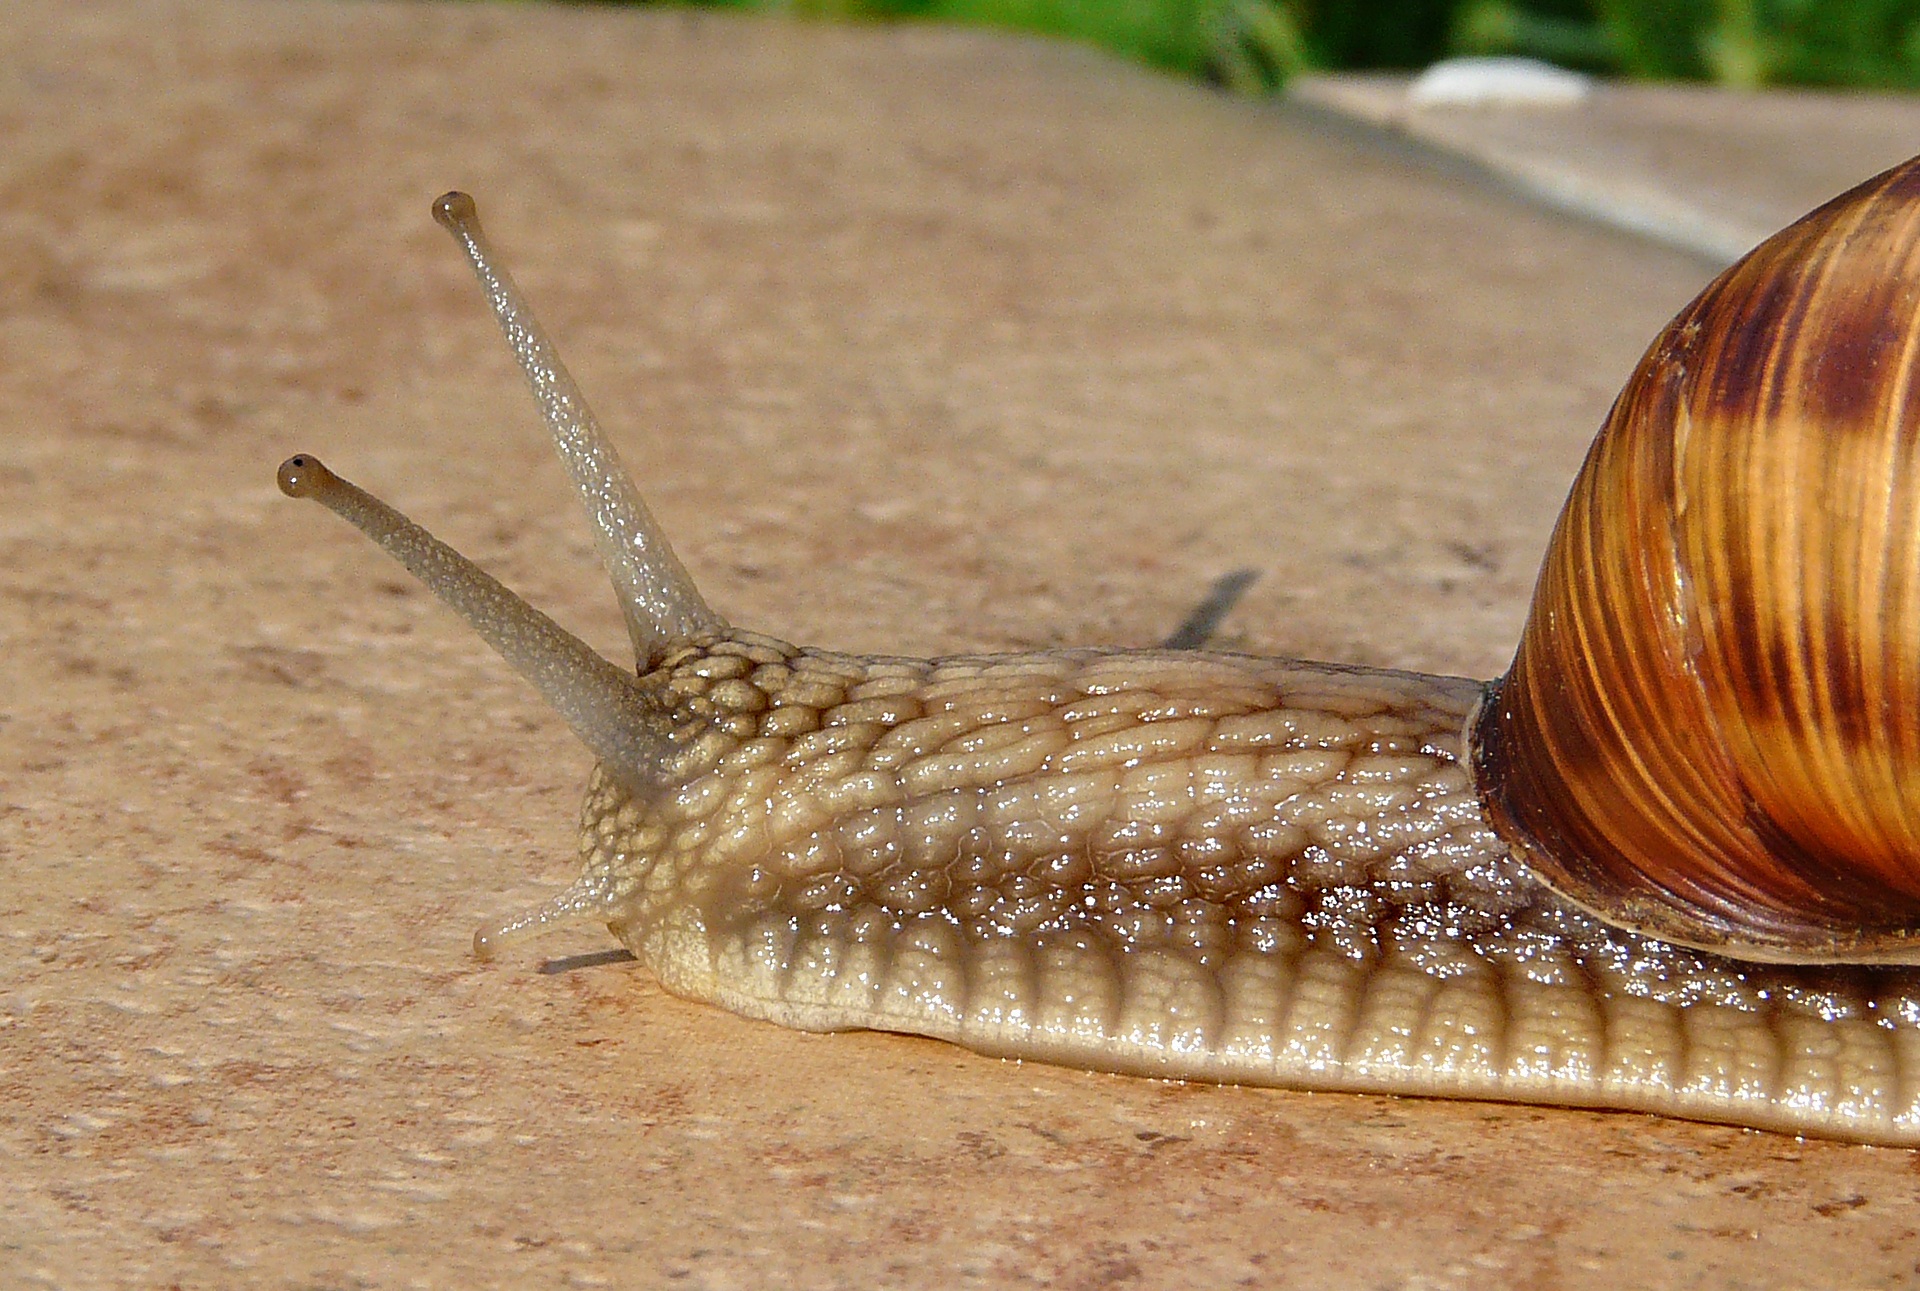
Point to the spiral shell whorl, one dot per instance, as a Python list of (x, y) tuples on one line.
[(1711, 731)]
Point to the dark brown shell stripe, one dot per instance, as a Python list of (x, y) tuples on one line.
[(1738, 572)]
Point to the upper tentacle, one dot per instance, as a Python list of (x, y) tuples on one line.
[(662, 607)]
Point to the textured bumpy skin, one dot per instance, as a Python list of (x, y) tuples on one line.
[(1190, 865)]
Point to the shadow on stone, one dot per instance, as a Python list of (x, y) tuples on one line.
[(1207, 616), (568, 963)]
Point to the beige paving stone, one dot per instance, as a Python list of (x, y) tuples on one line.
[(921, 340)]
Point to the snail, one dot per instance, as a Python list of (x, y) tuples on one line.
[(1670, 862)]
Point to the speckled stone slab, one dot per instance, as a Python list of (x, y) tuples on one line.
[(920, 340)]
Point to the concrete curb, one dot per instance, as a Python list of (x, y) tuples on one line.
[(1707, 171)]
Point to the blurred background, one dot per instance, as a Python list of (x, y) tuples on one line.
[(1254, 46)]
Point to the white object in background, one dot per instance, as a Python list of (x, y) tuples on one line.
[(1497, 83)]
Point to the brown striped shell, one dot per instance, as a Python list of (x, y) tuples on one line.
[(1711, 730)]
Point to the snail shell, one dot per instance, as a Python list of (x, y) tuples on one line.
[(1558, 887), (1711, 731)]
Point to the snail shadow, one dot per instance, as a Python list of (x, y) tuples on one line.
[(1199, 626), (594, 959)]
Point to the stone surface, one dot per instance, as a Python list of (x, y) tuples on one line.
[(920, 340), (1705, 169)]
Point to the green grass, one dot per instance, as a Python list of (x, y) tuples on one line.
[(1861, 43), (1252, 46), (1249, 45)]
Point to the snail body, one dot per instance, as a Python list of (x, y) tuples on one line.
[(1205, 865)]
